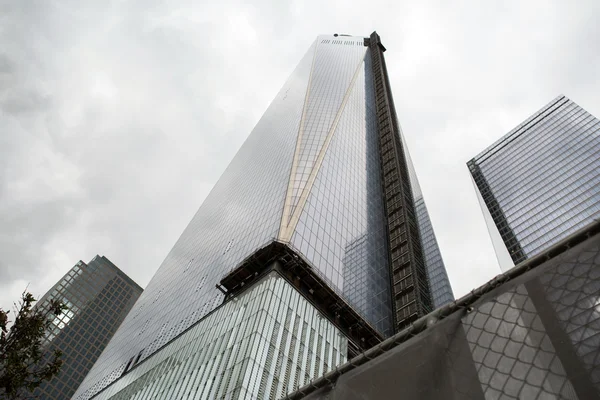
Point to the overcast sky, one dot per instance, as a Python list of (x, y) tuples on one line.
[(118, 117)]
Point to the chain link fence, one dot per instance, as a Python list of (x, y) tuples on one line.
[(531, 333)]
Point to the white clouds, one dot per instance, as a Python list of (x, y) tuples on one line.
[(116, 119), (103, 87), (241, 28), (48, 172)]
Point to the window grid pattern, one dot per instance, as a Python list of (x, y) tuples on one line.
[(439, 284), (99, 296), (441, 291), (333, 69), (341, 230), (542, 180), (221, 235), (267, 343)]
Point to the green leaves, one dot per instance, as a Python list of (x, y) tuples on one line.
[(24, 361)]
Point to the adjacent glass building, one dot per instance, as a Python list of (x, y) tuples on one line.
[(540, 182), (99, 296), (314, 244)]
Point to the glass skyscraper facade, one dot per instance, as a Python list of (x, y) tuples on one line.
[(441, 291), (268, 341), (540, 182), (319, 199), (98, 296)]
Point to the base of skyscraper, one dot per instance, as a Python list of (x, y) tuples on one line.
[(530, 333), (264, 343)]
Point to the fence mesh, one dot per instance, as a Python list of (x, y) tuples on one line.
[(533, 333)]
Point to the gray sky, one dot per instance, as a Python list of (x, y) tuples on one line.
[(117, 117)]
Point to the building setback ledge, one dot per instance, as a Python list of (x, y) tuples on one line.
[(296, 270)]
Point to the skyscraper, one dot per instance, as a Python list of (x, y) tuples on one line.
[(99, 296), (308, 249), (541, 181)]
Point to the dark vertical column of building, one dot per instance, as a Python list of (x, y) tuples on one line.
[(508, 235), (410, 290)]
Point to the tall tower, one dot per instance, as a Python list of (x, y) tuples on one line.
[(541, 181), (307, 250)]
